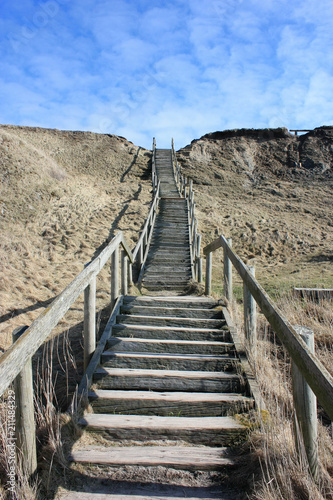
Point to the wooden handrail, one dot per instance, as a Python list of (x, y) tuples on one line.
[(194, 238), (314, 372), (13, 360), (146, 225)]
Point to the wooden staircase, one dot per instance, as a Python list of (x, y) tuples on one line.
[(168, 265), (163, 398), (162, 404)]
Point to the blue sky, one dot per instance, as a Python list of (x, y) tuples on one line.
[(166, 69)]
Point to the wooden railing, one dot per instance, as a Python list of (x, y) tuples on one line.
[(302, 356), (15, 363), (185, 188)]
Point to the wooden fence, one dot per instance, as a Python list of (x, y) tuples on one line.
[(185, 188), (301, 354), (15, 363)]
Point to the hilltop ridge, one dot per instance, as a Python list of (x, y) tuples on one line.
[(272, 192)]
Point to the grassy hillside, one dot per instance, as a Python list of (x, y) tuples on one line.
[(272, 192), (63, 196)]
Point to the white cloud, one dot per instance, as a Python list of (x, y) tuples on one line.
[(141, 69)]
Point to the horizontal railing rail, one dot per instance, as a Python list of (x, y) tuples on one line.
[(185, 188), (314, 372), (142, 247), (14, 359)]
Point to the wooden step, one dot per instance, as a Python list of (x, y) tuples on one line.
[(177, 457), (183, 275), (169, 259), (169, 332), (167, 380), (170, 321), (180, 312), (122, 344), (143, 491), (183, 404), (212, 431), (166, 301), (153, 360), (173, 289), (151, 283)]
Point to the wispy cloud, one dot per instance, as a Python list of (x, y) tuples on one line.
[(181, 69)]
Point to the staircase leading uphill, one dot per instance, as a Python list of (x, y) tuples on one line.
[(168, 264), (162, 404)]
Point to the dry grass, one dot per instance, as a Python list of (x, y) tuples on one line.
[(283, 474), (63, 197)]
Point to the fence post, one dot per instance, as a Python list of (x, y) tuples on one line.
[(124, 276), (199, 270), (89, 322), (305, 404), (250, 315), (114, 276), (25, 415), (227, 272), (198, 259), (130, 273), (208, 287)]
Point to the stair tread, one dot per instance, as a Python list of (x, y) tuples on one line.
[(190, 457), (168, 328), (103, 420), (184, 374), (143, 316), (203, 343), (167, 396), (176, 356)]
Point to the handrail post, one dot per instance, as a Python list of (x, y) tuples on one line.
[(89, 322), (24, 415), (227, 273), (305, 404), (124, 271), (114, 276), (130, 273), (199, 260), (250, 315), (141, 255), (208, 287)]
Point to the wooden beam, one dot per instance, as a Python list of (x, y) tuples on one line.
[(89, 322), (25, 417)]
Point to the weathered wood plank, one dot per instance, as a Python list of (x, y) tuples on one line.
[(168, 332), (166, 380), (168, 403), (192, 362), (168, 346), (213, 431), (183, 301), (172, 311), (170, 321), (177, 457)]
